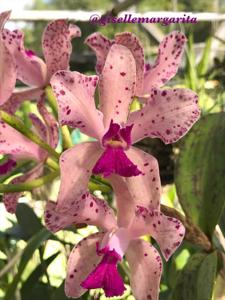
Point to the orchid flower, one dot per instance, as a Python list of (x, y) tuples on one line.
[(26, 66), (93, 261), (148, 76), (9, 100), (167, 114), (17, 146)]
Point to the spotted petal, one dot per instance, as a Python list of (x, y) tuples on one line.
[(145, 270), (50, 123), (143, 190), (169, 56), (88, 209), (30, 68), (100, 45), (75, 96), (168, 232), (82, 261), (76, 164), (56, 44), (14, 143), (167, 115), (18, 97), (117, 84), (10, 199), (130, 41), (7, 65)]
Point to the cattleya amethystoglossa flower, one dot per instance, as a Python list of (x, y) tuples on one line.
[(168, 114), (23, 64), (93, 262), (148, 76), (17, 146), (9, 100)]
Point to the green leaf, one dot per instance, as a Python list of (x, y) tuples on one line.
[(27, 219), (200, 170), (32, 280), (33, 244), (204, 62), (196, 280), (191, 76)]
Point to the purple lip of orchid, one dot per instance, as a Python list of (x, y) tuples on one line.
[(106, 275), (29, 53), (7, 166), (114, 160)]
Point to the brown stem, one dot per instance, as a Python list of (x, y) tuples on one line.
[(193, 234)]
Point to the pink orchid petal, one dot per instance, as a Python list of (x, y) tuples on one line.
[(7, 65), (88, 209), (168, 232), (117, 84), (143, 190), (167, 115), (30, 68), (169, 56), (130, 41), (146, 269), (82, 261), (50, 123), (39, 126), (117, 240), (14, 143), (101, 46), (7, 166), (56, 44), (75, 97), (114, 160), (76, 164), (106, 276), (17, 98), (10, 199)]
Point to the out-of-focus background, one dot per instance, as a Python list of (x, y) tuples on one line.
[(43, 267)]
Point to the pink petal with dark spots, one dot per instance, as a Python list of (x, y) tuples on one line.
[(143, 190), (10, 199), (130, 41), (76, 166), (7, 65), (145, 270), (56, 44), (39, 127), (106, 276), (7, 166), (101, 46), (88, 209), (167, 115), (18, 97), (116, 75), (52, 137), (30, 68), (168, 232), (82, 261), (15, 143), (168, 60), (75, 96), (114, 161)]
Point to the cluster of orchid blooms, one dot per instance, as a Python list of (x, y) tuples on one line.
[(122, 76)]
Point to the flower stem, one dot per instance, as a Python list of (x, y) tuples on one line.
[(52, 163), (29, 185), (66, 138), (51, 100), (18, 125)]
